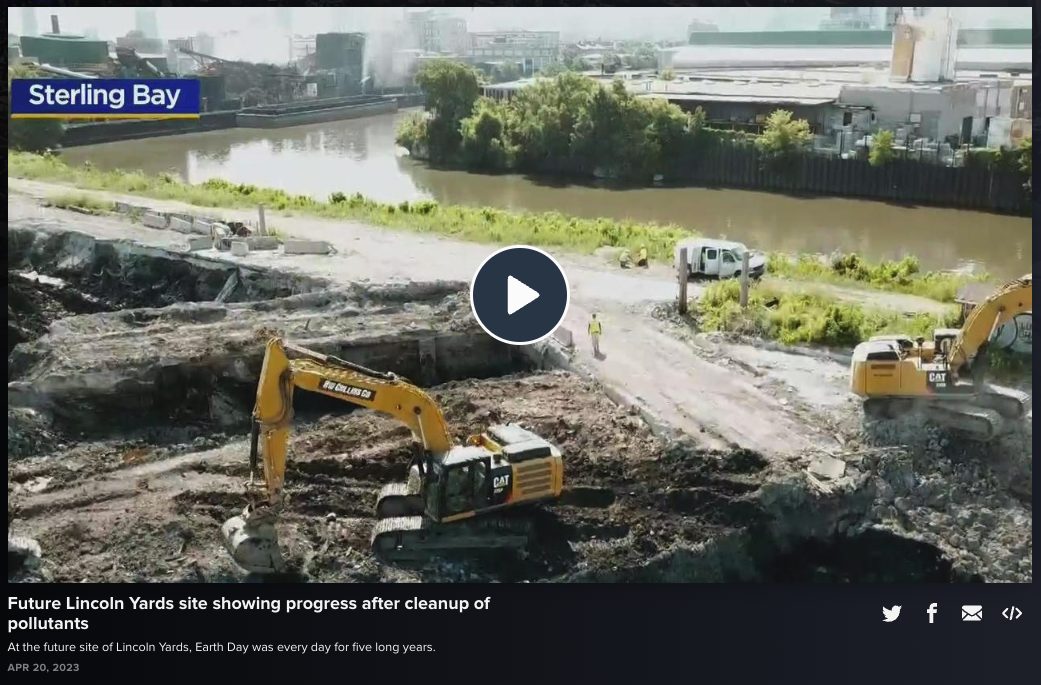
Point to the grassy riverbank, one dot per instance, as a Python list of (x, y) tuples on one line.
[(794, 318), (477, 224), (483, 224)]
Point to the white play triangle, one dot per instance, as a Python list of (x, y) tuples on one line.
[(518, 295)]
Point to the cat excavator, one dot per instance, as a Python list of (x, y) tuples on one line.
[(456, 497), (945, 377)]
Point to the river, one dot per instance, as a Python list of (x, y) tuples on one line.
[(360, 156)]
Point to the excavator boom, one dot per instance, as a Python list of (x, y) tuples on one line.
[(447, 483)]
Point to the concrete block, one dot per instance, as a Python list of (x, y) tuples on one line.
[(306, 247), (180, 225), (219, 230), (262, 242), (239, 248), (154, 219), (564, 337), (202, 226), (195, 244)]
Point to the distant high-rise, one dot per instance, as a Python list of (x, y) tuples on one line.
[(850, 19), (145, 22), (29, 27), (339, 19), (284, 19)]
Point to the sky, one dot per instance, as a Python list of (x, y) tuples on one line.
[(575, 23)]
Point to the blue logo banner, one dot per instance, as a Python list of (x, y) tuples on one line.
[(116, 98)]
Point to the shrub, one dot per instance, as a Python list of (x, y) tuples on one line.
[(881, 149), (803, 318)]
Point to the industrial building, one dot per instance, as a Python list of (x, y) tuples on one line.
[(917, 87), (340, 64), (535, 50), (433, 31)]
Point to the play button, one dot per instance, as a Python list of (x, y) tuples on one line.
[(519, 295)]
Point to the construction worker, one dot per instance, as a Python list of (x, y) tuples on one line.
[(595, 329), (625, 260), (642, 259)]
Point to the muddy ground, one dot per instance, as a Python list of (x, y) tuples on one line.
[(128, 415)]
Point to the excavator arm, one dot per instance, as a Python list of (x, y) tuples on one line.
[(340, 379), (1010, 300), (251, 537)]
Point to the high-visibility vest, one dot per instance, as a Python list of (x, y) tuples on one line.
[(643, 255), (594, 328)]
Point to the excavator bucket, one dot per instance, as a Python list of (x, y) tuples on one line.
[(253, 544)]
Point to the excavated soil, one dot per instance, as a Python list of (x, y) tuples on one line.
[(128, 403)]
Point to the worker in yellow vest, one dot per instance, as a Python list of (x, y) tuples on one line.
[(595, 329), (642, 259)]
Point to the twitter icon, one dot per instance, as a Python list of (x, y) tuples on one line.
[(891, 614)]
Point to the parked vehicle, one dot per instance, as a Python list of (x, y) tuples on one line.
[(721, 258)]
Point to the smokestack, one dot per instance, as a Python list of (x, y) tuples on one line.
[(54, 24)]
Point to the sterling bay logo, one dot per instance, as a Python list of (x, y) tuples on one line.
[(55, 98)]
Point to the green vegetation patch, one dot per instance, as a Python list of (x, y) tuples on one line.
[(900, 276), (794, 318)]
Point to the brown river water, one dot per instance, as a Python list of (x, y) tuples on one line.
[(360, 156)]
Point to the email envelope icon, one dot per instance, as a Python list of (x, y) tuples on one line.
[(971, 612)]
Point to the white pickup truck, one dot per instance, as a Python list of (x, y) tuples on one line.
[(721, 258)]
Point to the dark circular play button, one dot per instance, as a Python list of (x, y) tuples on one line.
[(519, 295)]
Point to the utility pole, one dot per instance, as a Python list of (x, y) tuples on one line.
[(682, 273), (744, 279), (263, 224)]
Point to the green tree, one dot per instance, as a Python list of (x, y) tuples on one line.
[(1026, 160), (484, 145), (784, 136), (451, 90), (31, 135), (667, 75), (881, 149)]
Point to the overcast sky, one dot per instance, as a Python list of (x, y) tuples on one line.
[(573, 22)]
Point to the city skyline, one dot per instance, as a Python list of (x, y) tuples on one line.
[(655, 23)]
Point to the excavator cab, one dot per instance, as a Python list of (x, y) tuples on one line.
[(457, 486)]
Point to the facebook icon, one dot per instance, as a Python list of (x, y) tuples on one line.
[(932, 612)]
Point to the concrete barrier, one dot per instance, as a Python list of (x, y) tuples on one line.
[(306, 247), (154, 219), (564, 337), (195, 244), (239, 248), (127, 208), (180, 225), (262, 242), (203, 226)]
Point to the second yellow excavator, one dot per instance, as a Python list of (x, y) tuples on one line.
[(946, 376), (457, 497)]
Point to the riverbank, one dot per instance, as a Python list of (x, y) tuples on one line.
[(269, 116), (478, 224)]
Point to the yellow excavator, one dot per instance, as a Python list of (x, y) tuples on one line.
[(945, 377), (456, 498)]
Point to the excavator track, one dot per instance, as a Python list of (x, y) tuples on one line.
[(417, 538), (1011, 404), (979, 423), (396, 501)]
